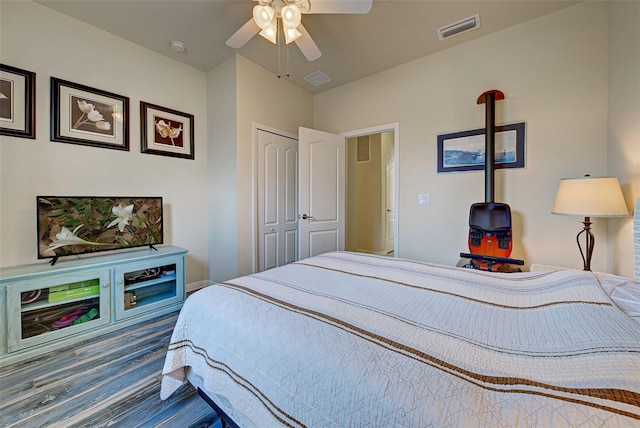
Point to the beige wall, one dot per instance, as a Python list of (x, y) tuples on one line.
[(222, 180), (554, 73), (624, 124), (208, 202), (37, 39), (571, 76), (369, 196), (267, 100), (241, 94), (351, 227), (260, 97)]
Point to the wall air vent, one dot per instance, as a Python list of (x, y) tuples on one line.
[(363, 149), (317, 78), (467, 24)]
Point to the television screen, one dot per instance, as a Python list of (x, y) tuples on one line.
[(69, 225)]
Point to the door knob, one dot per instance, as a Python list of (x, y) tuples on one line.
[(306, 217)]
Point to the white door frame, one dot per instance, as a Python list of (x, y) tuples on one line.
[(254, 185), (395, 128)]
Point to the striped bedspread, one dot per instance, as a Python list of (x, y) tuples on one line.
[(354, 340)]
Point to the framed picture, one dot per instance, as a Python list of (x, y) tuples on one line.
[(166, 132), (465, 151), (88, 116), (17, 102)]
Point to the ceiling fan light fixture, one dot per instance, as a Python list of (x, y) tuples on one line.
[(263, 15), (291, 35), (291, 16), (270, 33)]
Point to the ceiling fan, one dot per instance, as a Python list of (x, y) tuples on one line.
[(267, 14)]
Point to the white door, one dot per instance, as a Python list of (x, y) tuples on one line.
[(390, 205), (321, 181), (277, 168)]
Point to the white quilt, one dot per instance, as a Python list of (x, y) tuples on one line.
[(354, 340)]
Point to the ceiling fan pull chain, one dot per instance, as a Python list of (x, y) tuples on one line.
[(278, 38), (287, 70)]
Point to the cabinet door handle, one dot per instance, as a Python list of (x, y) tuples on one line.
[(106, 285)]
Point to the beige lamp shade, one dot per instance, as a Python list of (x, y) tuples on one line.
[(590, 197)]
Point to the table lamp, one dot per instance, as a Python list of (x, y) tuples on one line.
[(589, 197)]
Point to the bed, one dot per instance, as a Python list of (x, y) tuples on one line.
[(355, 340)]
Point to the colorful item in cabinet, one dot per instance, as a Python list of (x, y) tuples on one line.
[(129, 299), (86, 317), (30, 296), (61, 293), (61, 296), (73, 285), (76, 317)]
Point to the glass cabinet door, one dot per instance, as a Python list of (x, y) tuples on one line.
[(56, 306), (147, 285)]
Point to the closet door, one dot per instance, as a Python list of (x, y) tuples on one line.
[(277, 190)]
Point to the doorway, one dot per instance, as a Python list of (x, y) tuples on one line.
[(371, 210)]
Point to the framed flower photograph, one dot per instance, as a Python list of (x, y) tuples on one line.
[(166, 132), (88, 116), (17, 102)]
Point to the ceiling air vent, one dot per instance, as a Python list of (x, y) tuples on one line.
[(318, 78), (467, 24)]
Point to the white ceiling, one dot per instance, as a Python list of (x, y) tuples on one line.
[(353, 46)]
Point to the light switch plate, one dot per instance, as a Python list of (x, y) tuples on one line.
[(424, 200)]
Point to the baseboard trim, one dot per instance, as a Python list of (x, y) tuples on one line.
[(379, 253), (194, 286)]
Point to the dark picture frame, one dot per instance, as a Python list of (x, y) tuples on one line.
[(88, 116), (166, 132), (464, 151), (17, 102)]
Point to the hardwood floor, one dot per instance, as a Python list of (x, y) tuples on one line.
[(112, 380)]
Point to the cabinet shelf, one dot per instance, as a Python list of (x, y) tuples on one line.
[(151, 282), (153, 299), (29, 307)]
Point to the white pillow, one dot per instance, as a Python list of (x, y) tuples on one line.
[(625, 292)]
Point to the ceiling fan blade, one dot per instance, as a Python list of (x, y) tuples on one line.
[(339, 6), (243, 35), (307, 45)]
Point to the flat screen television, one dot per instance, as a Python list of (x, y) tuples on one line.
[(73, 225)]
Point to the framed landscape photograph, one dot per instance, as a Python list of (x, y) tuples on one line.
[(88, 116), (17, 102), (465, 151), (166, 132)]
